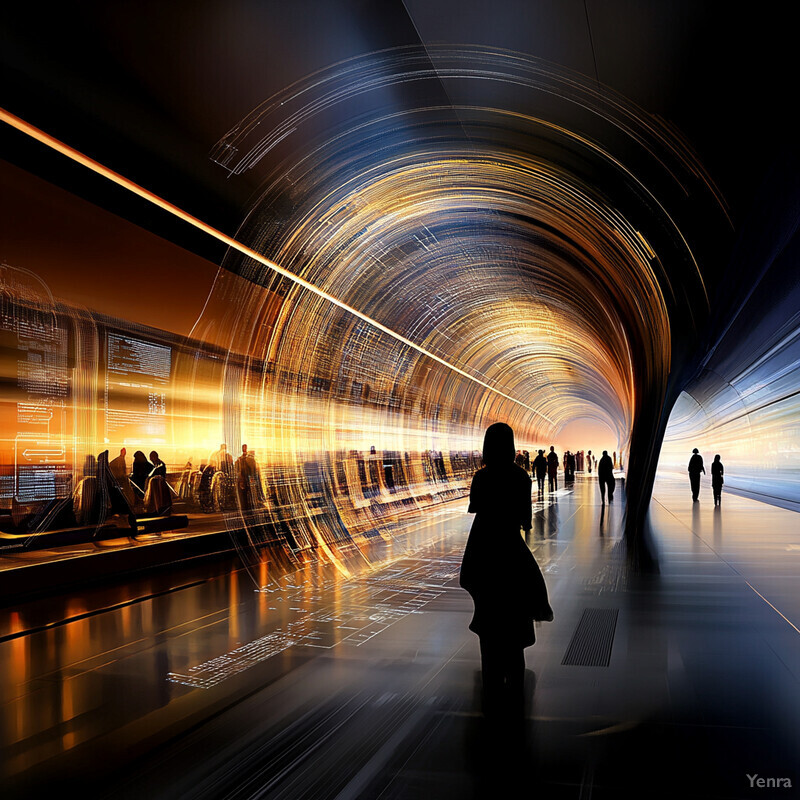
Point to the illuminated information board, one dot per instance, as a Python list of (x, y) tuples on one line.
[(137, 383), (35, 406)]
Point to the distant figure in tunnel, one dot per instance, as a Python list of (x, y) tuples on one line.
[(552, 468), (500, 572), (695, 468), (246, 475), (540, 466), (589, 460), (605, 475), (717, 471), (569, 467)]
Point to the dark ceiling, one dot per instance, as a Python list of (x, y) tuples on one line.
[(147, 88)]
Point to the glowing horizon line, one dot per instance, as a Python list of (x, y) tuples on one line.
[(95, 166)]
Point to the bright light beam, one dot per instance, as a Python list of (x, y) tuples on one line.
[(89, 163)]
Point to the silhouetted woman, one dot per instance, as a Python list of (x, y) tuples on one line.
[(499, 570), (140, 472), (717, 471)]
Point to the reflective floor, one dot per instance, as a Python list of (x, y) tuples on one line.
[(287, 680)]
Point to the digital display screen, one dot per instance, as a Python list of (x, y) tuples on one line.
[(36, 409), (137, 383)]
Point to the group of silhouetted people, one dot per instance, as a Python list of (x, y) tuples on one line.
[(547, 466), (696, 468), (145, 487), (108, 488), (221, 483)]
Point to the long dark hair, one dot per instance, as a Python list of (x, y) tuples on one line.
[(498, 445)]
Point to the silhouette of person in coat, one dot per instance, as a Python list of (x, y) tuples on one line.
[(605, 475), (540, 466), (500, 572), (695, 468), (717, 471), (552, 469), (569, 467)]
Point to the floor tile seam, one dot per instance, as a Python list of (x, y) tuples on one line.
[(700, 538), (99, 611), (794, 675), (738, 573), (777, 610)]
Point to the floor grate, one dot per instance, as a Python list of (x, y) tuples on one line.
[(593, 638)]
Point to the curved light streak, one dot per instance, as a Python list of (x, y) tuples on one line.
[(50, 141)]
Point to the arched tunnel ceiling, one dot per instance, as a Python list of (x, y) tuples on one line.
[(505, 205), (528, 251)]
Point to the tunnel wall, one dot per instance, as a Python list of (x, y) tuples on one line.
[(743, 402)]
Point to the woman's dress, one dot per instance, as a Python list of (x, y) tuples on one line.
[(498, 569)]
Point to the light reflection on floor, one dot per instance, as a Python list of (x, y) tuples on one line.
[(366, 605)]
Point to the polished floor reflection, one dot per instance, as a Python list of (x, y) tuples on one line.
[(293, 681)]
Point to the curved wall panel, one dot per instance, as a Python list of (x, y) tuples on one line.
[(745, 402)]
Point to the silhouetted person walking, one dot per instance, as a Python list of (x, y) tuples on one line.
[(552, 468), (717, 471), (500, 572), (695, 468), (605, 475), (540, 466), (245, 479)]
